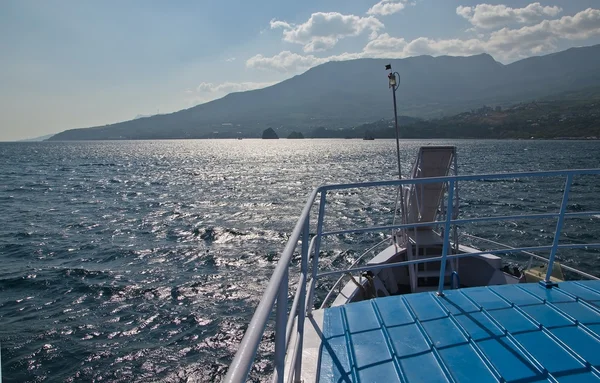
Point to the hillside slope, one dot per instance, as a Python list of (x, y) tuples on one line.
[(348, 93)]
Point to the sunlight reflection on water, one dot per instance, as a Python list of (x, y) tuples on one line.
[(136, 261)]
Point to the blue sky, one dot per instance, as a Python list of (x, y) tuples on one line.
[(72, 63)]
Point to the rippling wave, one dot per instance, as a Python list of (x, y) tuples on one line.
[(144, 261)]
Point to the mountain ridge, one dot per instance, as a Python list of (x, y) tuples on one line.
[(348, 93)]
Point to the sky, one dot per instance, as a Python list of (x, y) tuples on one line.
[(78, 63)]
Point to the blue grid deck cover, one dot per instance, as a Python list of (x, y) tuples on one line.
[(510, 333)]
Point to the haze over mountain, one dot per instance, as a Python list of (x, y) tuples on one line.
[(347, 93), (37, 139)]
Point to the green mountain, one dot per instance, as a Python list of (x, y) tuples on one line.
[(350, 93)]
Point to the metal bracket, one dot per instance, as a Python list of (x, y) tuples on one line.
[(548, 284)]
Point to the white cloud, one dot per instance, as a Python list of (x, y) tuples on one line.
[(385, 45), (387, 7), (285, 61), (488, 16), (542, 37), (279, 24), (504, 44), (583, 25), (229, 87), (453, 47), (230, 59), (323, 30), (508, 44)]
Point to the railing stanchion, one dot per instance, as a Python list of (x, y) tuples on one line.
[(456, 211), (280, 325), (559, 223), (446, 245), (315, 260), (302, 307), (530, 263)]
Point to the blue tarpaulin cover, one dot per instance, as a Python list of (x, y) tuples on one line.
[(510, 333)]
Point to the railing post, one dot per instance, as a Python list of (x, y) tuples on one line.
[(302, 306), (455, 277), (280, 325), (559, 223), (530, 263), (315, 260), (446, 237), (457, 207)]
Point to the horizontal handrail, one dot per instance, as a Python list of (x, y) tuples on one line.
[(536, 256), (456, 256), (456, 222), (381, 228), (474, 177)]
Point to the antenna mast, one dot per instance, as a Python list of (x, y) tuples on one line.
[(394, 83)]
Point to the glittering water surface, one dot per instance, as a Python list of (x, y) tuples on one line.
[(143, 261)]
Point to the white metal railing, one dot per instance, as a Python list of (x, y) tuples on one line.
[(286, 323), (356, 262), (533, 256)]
